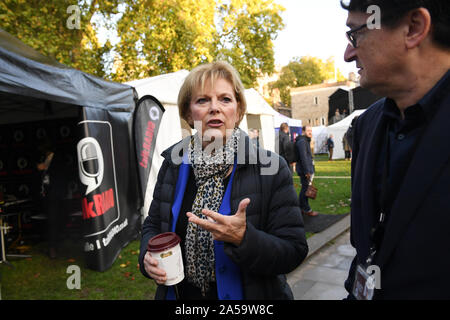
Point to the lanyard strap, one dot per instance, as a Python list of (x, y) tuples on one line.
[(377, 232)]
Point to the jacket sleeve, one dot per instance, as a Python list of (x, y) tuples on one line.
[(351, 274), (152, 223), (282, 143), (281, 244)]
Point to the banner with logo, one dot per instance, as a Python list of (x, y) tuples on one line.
[(110, 194), (147, 118), (39, 98)]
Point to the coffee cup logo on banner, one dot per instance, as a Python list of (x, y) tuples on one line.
[(24, 189), (41, 133), (90, 161), (22, 163), (19, 136), (64, 131), (154, 113)]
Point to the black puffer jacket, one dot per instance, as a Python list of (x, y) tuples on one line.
[(285, 147), (274, 243)]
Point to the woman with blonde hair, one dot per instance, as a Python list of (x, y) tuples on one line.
[(241, 230)]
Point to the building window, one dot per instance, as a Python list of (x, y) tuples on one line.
[(316, 101), (323, 121), (309, 121)]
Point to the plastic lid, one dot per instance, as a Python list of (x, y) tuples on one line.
[(163, 241)]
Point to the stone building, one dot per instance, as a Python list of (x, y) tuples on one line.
[(310, 103)]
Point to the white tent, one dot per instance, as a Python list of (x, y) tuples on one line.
[(338, 130), (320, 136), (259, 115), (172, 129), (280, 118)]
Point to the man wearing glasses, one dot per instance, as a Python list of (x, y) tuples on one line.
[(400, 214)]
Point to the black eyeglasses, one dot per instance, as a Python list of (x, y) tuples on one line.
[(351, 37)]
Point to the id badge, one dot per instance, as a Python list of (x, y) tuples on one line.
[(364, 284)]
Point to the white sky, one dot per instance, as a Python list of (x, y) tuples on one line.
[(315, 28)]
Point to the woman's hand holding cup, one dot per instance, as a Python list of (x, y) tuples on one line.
[(151, 266)]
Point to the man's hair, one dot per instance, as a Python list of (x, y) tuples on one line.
[(196, 80), (284, 126), (392, 11)]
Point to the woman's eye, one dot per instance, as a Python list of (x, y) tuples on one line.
[(226, 99), (201, 100)]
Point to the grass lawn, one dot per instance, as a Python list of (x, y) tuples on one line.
[(39, 277), (42, 278), (334, 194)]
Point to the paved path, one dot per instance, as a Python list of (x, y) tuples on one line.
[(322, 275)]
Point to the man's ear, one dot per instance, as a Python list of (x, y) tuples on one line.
[(419, 27)]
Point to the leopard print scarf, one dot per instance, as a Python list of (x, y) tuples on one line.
[(209, 172)]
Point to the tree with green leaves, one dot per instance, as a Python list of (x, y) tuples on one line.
[(60, 30), (166, 36), (303, 72), (153, 36), (163, 36), (245, 34)]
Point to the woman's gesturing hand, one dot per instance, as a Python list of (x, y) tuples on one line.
[(224, 228)]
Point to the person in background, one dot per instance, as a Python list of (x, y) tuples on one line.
[(283, 144), (241, 230), (330, 146), (349, 133), (400, 213), (305, 168), (53, 188), (312, 145), (255, 137), (346, 147), (337, 116)]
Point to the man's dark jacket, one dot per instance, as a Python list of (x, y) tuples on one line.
[(274, 243), (303, 148), (414, 257), (285, 147), (330, 143)]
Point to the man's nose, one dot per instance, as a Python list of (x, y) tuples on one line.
[(350, 53)]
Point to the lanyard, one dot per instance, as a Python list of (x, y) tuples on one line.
[(377, 232)]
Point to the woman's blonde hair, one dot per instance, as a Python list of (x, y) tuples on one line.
[(196, 81)]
